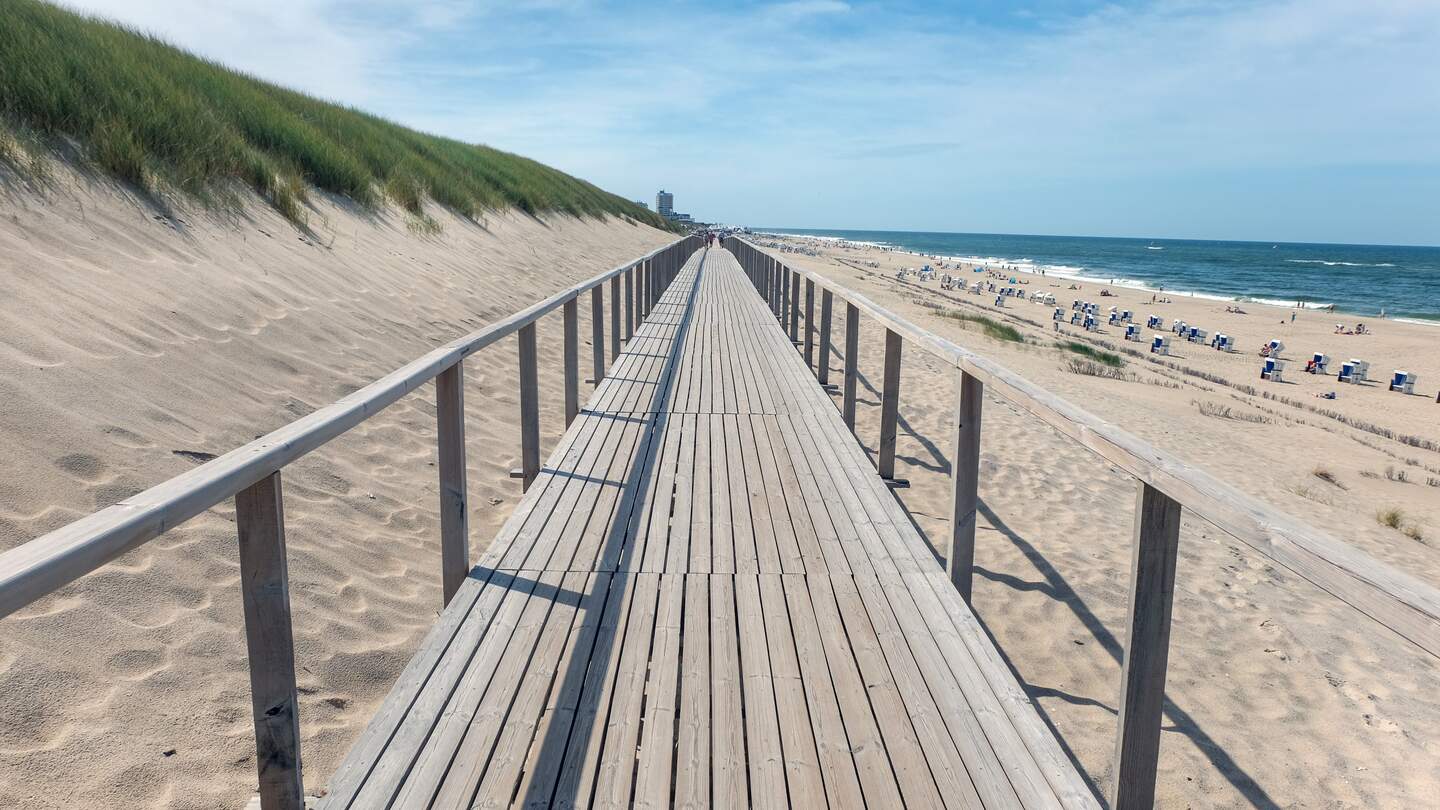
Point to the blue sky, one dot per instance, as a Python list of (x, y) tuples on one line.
[(1305, 121)]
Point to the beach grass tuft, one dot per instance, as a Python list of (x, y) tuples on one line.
[(989, 326), (157, 117), (1226, 412), (1098, 355), (1392, 516)]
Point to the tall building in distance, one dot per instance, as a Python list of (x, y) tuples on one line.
[(664, 203)]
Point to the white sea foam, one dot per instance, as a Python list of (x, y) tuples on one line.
[(1339, 264)]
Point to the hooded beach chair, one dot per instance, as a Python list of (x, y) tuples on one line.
[(1273, 370), (1160, 344), (1403, 381)]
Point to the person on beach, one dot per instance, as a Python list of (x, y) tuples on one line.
[(1292, 316)]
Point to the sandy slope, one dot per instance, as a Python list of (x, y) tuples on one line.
[(1280, 696), (134, 342)]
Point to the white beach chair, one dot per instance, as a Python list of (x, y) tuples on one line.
[(1273, 370), (1321, 360), (1132, 332), (1403, 381), (1160, 344), (1225, 343), (1276, 347)]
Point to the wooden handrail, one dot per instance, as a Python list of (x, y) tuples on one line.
[(252, 474), (1395, 599), (51, 561), (1166, 487)]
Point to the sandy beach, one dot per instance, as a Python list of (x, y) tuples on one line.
[(139, 343), (1279, 695)]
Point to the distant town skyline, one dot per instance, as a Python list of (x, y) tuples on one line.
[(1296, 120)]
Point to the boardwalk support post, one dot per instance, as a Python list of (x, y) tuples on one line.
[(597, 331), (630, 302), (794, 307), (810, 323), (965, 477), (529, 407), (852, 348), (265, 592), (572, 360), (827, 303), (1147, 644), (890, 404), (614, 318), (454, 511)]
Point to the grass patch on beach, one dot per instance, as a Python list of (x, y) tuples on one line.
[(1392, 516), (1098, 355), (1211, 409), (1090, 368), (989, 326), (157, 117)]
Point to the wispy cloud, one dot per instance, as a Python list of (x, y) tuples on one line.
[(1072, 115)]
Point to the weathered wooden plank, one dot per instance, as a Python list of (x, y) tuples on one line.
[(692, 745), (270, 643), (729, 771), (1154, 551), (615, 312)]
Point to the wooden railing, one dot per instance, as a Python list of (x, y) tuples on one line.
[(251, 474), (1166, 485)]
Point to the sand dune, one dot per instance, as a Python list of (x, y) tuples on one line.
[(138, 344), (1279, 695)]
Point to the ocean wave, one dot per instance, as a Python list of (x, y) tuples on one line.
[(1328, 263)]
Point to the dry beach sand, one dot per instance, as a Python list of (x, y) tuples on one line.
[(1278, 694), (137, 344)]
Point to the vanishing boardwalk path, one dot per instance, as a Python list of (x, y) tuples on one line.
[(707, 598)]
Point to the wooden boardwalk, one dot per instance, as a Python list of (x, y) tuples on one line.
[(707, 598)]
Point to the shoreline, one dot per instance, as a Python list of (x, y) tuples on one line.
[(1078, 274)]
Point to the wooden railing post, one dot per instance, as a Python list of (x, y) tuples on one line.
[(529, 407), (852, 348), (810, 323), (965, 477), (827, 303), (890, 403), (794, 306), (642, 291), (1155, 547), (630, 302), (782, 283), (614, 318), (597, 332), (454, 510), (265, 592), (572, 360)]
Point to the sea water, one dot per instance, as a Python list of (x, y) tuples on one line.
[(1404, 282)]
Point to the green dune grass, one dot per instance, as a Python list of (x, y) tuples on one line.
[(153, 115)]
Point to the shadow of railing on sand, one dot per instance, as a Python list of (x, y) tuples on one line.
[(1056, 587)]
